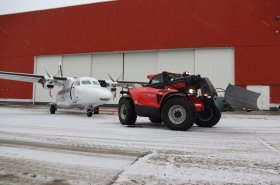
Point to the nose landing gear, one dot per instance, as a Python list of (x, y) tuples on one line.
[(53, 108), (89, 111)]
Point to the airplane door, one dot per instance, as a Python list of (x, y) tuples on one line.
[(72, 92)]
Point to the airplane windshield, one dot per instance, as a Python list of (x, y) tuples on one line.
[(95, 83), (86, 82)]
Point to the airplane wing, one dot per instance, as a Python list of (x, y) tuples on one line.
[(59, 80), (24, 77), (21, 77), (125, 84)]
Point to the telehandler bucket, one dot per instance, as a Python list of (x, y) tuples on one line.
[(238, 98)]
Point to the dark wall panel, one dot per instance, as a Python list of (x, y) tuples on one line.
[(13, 89), (140, 25), (257, 65), (275, 94)]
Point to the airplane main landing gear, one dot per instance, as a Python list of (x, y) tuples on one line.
[(96, 110), (53, 108), (89, 112)]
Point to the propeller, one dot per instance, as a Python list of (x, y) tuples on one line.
[(114, 84), (49, 82)]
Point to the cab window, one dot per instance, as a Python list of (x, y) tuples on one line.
[(157, 79)]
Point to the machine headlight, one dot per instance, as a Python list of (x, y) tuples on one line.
[(191, 91)]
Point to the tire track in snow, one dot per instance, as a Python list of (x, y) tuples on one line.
[(269, 146), (70, 148), (119, 176)]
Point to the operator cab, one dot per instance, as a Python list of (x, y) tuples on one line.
[(163, 77)]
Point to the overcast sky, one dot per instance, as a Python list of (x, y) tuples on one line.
[(16, 6)]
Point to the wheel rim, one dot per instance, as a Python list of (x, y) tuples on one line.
[(206, 115), (123, 111), (177, 114)]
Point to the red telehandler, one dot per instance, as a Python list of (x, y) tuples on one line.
[(180, 101)]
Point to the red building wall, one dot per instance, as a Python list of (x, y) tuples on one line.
[(250, 26)]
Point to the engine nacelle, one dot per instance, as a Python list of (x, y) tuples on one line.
[(48, 83)]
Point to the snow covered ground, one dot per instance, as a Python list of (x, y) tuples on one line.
[(70, 148)]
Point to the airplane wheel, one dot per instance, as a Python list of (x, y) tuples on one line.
[(96, 110), (89, 113), (53, 109)]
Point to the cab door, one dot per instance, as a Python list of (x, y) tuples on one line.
[(146, 96)]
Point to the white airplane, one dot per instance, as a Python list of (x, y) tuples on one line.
[(84, 92)]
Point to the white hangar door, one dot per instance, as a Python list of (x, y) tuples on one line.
[(217, 65), (43, 64), (76, 65), (108, 63), (264, 99), (137, 65), (176, 61)]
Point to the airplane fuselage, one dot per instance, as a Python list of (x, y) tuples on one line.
[(82, 92)]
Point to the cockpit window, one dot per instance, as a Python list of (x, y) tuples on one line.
[(95, 83), (78, 83), (86, 82)]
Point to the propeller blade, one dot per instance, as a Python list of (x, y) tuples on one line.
[(50, 93), (111, 77), (47, 72), (119, 77), (114, 95), (60, 69), (56, 73)]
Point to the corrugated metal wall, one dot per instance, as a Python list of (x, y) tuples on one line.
[(259, 66), (14, 89), (147, 25)]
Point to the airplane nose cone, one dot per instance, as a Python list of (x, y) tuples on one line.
[(95, 96), (106, 96)]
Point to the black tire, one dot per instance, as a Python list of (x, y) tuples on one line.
[(96, 110), (209, 117), (126, 112), (155, 119), (53, 109), (89, 113), (178, 114)]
